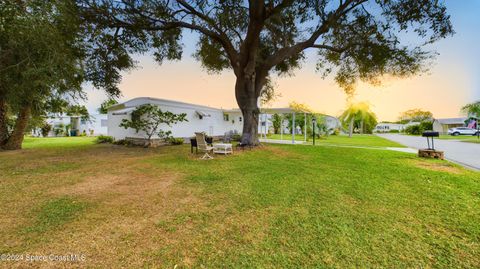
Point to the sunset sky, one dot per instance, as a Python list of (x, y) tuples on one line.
[(453, 80)]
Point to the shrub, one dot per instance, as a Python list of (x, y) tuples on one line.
[(426, 125), (148, 118), (104, 139), (413, 130), (394, 131), (419, 129), (121, 142), (46, 128), (176, 141), (236, 137)]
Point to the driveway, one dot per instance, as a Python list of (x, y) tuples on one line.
[(463, 153)]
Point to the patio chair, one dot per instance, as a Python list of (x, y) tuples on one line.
[(203, 146)]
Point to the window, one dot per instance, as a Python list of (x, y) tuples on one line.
[(103, 123), (239, 118), (225, 117)]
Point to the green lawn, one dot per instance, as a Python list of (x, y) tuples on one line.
[(277, 206), (57, 142), (463, 138), (344, 140)]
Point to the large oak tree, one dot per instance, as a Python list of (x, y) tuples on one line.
[(256, 39)]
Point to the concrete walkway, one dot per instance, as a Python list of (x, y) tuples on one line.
[(463, 153)]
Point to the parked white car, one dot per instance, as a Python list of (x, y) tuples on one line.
[(462, 131)]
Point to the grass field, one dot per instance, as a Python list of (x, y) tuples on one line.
[(343, 140), (275, 206), (463, 138)]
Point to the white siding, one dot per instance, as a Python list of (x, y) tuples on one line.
[(212, 125)]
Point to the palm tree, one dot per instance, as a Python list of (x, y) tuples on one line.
[(359, 112)]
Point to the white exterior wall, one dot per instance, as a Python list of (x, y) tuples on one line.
[(214, 125), (95, 125), (386, 127)]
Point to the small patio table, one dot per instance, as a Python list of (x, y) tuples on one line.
[(222, 148)]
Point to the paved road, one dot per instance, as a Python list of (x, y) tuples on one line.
[(466, 154)]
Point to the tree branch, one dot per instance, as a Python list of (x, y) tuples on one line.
[(287, 52), (328, 47)]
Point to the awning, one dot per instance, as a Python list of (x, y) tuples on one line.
[(123, 111), (202, 113)]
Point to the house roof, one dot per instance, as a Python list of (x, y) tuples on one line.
[(123, 111), (452, 120), (125, 107), (147, 100)]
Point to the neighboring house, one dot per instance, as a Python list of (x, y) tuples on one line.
[(212, 121), (442, 125), (385, 127), (266, 124), (97, 125)]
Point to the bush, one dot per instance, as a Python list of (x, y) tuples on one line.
[(104, 139), (121, 142), (426, 125), (394, 131), (176, 141), (413, 130), (236, 137), (420, 128), (46, 128)]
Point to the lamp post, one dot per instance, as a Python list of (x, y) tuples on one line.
[(314, 122)]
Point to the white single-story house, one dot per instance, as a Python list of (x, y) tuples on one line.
[(212, 121), (96, 125), (385, 127), (442, 125)]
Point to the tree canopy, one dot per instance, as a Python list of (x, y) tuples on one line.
[(39, 61), (103, 109), (472, 109), (355, 39), (417, 115)]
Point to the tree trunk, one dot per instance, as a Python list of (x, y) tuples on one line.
[(246, 95), (16, 139), (3, 122), (350, 131), (361, 127)]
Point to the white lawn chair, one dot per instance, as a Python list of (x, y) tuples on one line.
[(203, 146)]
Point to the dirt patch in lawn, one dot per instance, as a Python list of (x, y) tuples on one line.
[(121, 229), (442, 166)]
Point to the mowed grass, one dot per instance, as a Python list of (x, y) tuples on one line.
[(57, 142), (463, 138), (278, 206), (343, 140)]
